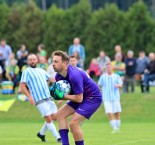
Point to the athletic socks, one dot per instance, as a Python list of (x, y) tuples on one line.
[(64, 136), (113, 124), (79, 142), (51, 127), (118, 123), (43, 129)]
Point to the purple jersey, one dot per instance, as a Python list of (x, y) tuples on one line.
[(81, 82)]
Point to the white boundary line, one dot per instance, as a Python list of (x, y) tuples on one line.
[(130, 142)]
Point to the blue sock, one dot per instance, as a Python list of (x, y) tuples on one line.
[(64, 136), (79, 142)]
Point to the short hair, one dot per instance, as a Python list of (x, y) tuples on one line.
[(130, 52), (31, 54), (62, 54), (73, 56)]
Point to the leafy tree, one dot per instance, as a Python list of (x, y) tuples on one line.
[(105, 30), (54, 29), (4, 15), (14, 25), (26, 26), (138, 27), (76, 20)]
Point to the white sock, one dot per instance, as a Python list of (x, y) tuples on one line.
[(113, 124), (43, 129), (118, 123), (51, 127)]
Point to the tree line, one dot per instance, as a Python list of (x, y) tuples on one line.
[(98, 30)]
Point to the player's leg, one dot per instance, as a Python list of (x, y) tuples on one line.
[(108, 106), (112, 121), (41, 133), (48, 111), (62, 115), (118, 121), (84, 111), (76, 130), (51, 127), (117, 110)]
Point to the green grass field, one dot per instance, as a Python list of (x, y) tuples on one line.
[(20, 124)]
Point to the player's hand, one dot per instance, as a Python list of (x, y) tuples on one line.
[(59, 102), (31, 100), (58, 95)]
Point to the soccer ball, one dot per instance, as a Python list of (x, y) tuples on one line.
[(64, 86)]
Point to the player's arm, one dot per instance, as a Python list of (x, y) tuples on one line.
[(51, 80), (119, 83), (74, 98), (26, 92)]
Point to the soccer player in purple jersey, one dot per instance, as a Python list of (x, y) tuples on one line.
[(85, 98)]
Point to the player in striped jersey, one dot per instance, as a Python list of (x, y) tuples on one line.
[(111, 84), (38, 94)]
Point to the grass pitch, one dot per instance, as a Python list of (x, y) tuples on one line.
[(21, 123), (95, 134)]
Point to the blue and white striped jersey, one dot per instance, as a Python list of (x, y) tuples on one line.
[(109, 91), (36, 80)]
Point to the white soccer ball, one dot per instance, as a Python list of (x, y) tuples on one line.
[(63, 85)]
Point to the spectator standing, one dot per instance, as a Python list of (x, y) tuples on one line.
[(5, 52), (79, 48), (102, 61), (22, 52), (118, 66), (130, 63), (142, 63), (118, 49), (41, 51)]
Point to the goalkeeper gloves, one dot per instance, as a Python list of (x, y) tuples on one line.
[(55, 93), (58, 95)]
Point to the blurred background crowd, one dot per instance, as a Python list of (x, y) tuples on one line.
[(132, 69)]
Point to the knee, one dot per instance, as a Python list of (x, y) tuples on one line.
[(73, 124), (48, 119), (60, 115)]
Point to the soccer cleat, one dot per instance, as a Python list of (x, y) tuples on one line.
[(42, 137), (59, 140), (115, 131)]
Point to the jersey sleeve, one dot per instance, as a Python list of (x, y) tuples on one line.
[(119, 80), (100, 81), (46, 75), (24, 77)]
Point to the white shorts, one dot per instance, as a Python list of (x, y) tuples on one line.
[(47, 108), (112, 107)]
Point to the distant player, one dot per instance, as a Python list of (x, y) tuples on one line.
[(111, 83), (39, 95), (85, 98)]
